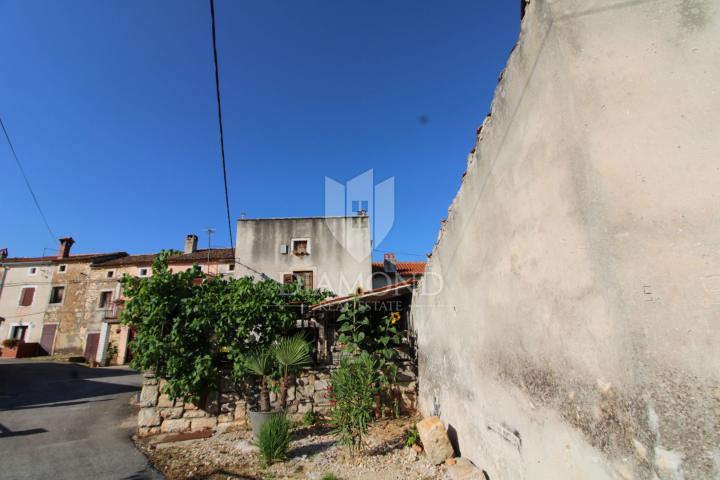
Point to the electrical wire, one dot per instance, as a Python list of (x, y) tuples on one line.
[(219, 108), (27, 182)]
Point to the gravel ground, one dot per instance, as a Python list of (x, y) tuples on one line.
[(313, 453)]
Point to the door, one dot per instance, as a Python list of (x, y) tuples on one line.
[(91, 346), (47, 338)]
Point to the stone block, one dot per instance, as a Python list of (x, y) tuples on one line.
[(203, 423), (190, 406), (435, 439), (148, 396), (148, 417), (226, 417), (212, 403), (320, 396), (304, 407), (164, 401), (194, 414), (175, 426), (174, 412), (464, 469), (321, 385)]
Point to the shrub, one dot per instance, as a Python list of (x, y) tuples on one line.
[(354, 386), (413, 437), (10, 342), (329, 476), (309, 418), (274, 439)]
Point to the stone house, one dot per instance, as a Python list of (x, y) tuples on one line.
[(40, 298), (390, 271), (323, 252)]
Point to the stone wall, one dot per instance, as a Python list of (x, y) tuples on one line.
[(567, 321), (228, 408)]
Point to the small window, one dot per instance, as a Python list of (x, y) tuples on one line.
[(57, 294), (18, 332), (231, 267), (26, 296), (105, 299), (301, 247), (62, 268), (143, 272), (32, 270), (305, 278), (110, 273)]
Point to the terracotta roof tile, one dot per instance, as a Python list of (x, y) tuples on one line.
[(84, 257), (199, 256), (403, 268)]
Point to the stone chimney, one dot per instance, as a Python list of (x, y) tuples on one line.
[(390, 263), (190, 243), (65, 244)]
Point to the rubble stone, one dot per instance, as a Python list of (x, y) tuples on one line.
[(435, 439)]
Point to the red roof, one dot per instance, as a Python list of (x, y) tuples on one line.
[(198, 256), (403, 268), (84, 257)]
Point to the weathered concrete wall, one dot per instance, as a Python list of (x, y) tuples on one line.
[(340, 250), (71, 315), (575, 331)]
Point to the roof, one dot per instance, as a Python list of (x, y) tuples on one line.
[(270, 219), (53, 259), (198, 256), (403, 268), (377, 294)]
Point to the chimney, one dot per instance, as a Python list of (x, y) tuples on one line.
[(191, 243), (390, 263), (65, 244), (3, 253)]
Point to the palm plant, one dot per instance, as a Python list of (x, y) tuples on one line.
[(261, 362), (290, 353)]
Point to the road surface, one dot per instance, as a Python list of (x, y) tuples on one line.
[(65, 421)]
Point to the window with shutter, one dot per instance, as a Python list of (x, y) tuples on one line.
[(26, 296), (288, 278), (305, 278)]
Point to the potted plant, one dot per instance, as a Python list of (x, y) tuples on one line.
[(261, 363), (10, 347)]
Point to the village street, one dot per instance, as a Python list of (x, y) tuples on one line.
[(61, 420)]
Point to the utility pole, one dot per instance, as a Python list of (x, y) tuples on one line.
[(209, 231)]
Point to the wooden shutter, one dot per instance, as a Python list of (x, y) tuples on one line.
[(288, 278), (26, 298)]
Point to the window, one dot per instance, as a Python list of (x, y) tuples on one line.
[(26, 296), (305, 278), (143, 272), (57, 294), (110, 273), (62, 268), (105, 299), (18, 332), (231, 267), (32, 270), (301, 247)]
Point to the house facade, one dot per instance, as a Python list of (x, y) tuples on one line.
[(334, 253)]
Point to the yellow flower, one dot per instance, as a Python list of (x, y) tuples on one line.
[(359, 291), (394, 317)]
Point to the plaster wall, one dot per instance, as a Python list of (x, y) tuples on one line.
[(17, 277), (340, 250), (568, 320)]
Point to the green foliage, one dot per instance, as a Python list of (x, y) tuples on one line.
[(274, 439), (187, 324), (290, 353), (413, 437), (309, 418), (329, 476), (354, 388), (260, 362)]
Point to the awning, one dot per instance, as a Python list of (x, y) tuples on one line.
[(376, 295)]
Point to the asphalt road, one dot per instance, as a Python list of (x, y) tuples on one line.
[(64, 421)]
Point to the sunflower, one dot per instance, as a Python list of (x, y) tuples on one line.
[(394, 317), (359, 291)]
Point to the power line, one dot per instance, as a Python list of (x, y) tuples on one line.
[(27, 182), (219, 108)]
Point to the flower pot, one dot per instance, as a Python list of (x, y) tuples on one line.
[(258, 419)]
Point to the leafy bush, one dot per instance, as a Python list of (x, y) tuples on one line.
[(274, 438), (10, 342), (354, 386), (187, 324), (413, 437), (329, 476)]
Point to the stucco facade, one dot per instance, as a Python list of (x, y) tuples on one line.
[(337, 252), (14, 277), (567, 321)]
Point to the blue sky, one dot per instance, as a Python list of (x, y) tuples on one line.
[(111, 109)]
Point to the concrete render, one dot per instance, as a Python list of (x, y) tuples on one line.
[(568, 322)]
